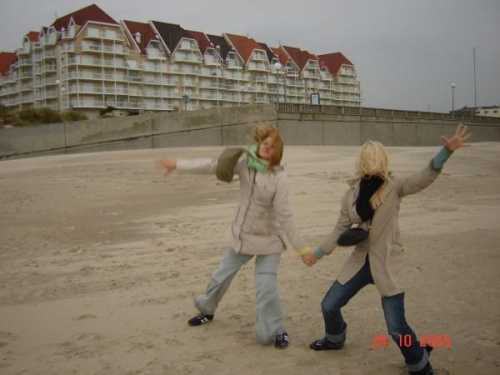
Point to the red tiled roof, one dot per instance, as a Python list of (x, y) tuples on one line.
[(33, 36), (6, 60), (201, 38), (334, 61), (146, 31), (283, 57), (82, 16), (244, 45), (299, 56)]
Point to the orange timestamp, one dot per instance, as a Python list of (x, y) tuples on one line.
[(434, 340)]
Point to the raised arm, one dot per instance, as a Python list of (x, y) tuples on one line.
[(196, 166), (422, 179)]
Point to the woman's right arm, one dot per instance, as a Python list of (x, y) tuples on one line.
[(196, 166)]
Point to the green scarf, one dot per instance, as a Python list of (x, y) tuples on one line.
[(253, 160)]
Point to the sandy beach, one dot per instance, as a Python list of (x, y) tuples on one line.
[(100, 257)]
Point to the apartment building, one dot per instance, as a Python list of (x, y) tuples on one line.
[(87, 61)]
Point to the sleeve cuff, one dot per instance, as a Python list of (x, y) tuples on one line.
[(303, 250), (318, 253), (441, 157)]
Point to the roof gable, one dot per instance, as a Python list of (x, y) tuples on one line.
[(170, 33), (269, 52), (201, 38), (33, 36), (299, 56), (82, 16), (282, 56), (6, 60), (334, 61), (144, 29), (244, 45), (224, 46)]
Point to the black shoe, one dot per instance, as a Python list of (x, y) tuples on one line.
[(200, 319), (324, 344), (282, 341), (427, 370)]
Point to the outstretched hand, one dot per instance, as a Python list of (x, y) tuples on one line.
[(168, 164), (458, 139)]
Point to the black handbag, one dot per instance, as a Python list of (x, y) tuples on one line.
[(352, 236)]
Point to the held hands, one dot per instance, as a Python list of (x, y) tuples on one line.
[(309, 259), (458, 139), (168, 164)]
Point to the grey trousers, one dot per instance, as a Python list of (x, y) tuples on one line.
[(268, 312)]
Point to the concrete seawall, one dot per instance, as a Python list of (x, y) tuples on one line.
[(298, 124)]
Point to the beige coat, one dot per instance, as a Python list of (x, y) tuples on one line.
[(383, 244), (263, 217)]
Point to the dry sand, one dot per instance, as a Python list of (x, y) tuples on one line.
[(100, 257)]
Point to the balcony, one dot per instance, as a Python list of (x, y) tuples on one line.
[(233, 75), (49, 39), (25, 74), (135, 79), (260, 78), (68, 48), (158, 81), (188, 45), (25, 87), (231, 64), (24, 62), (253, 66), (93, 33), (117, 50), (311, 75), (187, 58), (48, 55), (68, 34), (26, 99), (48, 68), (154, 53)]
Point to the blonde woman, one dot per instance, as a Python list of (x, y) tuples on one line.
[(372, 202), (262, 219)]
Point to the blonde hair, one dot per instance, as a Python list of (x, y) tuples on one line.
[(263, 131), (374, 160)]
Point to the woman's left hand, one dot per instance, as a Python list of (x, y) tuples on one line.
[(458, 139)]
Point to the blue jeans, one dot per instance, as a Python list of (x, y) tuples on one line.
[(416, 357)]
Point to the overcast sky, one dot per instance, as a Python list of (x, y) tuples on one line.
[(407, 52)]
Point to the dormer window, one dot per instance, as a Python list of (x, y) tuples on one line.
[(138, 37)]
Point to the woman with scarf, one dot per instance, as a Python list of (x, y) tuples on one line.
[(372, 202), (262, 219)]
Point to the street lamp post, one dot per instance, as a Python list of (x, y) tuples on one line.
[(60, 94), (453, 85), (217, 49)]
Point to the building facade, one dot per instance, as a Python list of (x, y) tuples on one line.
[(88, 62)]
